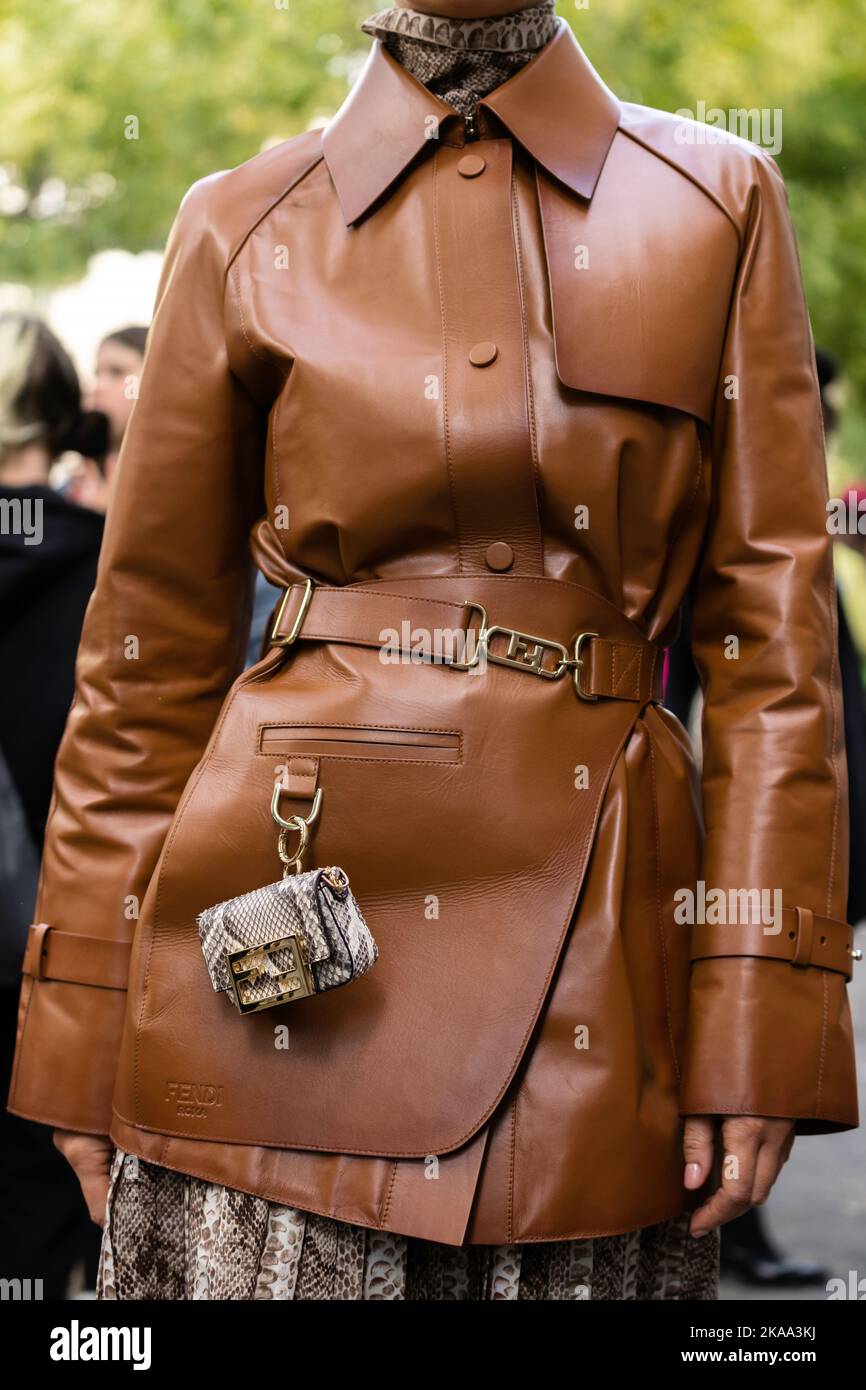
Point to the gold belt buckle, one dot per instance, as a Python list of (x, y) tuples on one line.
[(248, 965), (577, 663), (286, 640), (526, 651)]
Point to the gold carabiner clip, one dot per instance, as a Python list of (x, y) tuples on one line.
[(299, 823)]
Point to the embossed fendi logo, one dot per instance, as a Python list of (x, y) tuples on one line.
[(193, 1100)]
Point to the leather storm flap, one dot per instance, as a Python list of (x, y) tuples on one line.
[(469, 895), (631, 316)]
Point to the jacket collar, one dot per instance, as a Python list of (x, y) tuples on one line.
[(557, 106)]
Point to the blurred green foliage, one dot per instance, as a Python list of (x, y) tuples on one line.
[(209, 82)]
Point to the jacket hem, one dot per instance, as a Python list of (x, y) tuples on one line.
[(832, 1121), (75, 1127), (346, 1213)]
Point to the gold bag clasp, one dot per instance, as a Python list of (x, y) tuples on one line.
[(249, 964)]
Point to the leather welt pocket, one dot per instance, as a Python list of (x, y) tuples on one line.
[(382, 742)]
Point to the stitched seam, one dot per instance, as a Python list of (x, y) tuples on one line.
[(618, 680), (308, 168), (512, 1163), (234, 279), (825, 983), (446, 423), (690, 178), (678, 530), (357, 724), (275, 476), (659, 913), (388, 593), (713, 1108), (527, 366), (360, 758), (389, 1193)]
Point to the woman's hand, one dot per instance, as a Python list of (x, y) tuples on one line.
[(752, 1151), (90, 1156)]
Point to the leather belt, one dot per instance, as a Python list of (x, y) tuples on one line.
[(601, 667), (804, 939), (51, 954)]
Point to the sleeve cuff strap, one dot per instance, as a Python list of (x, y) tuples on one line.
[(804, 939), (51, 954)]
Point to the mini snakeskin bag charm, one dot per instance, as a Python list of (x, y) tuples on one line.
[(297, 937)]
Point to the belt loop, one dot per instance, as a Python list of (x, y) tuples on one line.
[(805, 932), (35, 951), (302, 776)]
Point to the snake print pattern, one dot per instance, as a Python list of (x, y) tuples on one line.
[(462, 60), (340, 945), (525, 31), (168, 1236)]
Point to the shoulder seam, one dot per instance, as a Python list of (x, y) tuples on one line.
[(293, 183), (687, 174)]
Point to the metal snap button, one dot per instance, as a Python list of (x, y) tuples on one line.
[(483, 354), (471, 165), (499, 556)]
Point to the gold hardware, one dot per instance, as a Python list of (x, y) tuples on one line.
[(479, 608), (337, 880), (248, 965), (526, 651), (577, 662), (299, 823), (285, 640)]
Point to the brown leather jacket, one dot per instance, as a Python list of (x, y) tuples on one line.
[(560, 365)]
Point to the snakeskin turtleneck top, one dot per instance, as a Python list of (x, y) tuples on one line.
[(462, 60)]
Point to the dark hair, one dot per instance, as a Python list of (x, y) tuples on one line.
[(134, 336), (827, 367), (40, 394), (829, 373)]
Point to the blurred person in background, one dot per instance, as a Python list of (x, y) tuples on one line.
[(830, 381), (48, 555), (119, 358), (747, 1251)]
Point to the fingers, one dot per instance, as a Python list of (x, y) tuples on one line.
[(698, 1148), (787, 1146), (95, 1190), (740, 1142), (90, 1156), (752, 1156), (777, 1142)]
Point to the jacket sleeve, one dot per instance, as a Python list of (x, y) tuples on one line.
[(163, 638), (769, 1028)]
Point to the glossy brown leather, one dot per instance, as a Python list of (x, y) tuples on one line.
[(316, 387)]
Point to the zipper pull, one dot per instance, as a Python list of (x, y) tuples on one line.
[(469, 129)]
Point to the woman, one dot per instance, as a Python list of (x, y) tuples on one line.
[(115, 387), (516, 364), (48, 554)]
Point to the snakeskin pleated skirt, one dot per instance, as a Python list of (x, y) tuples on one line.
[(169, 1236)]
